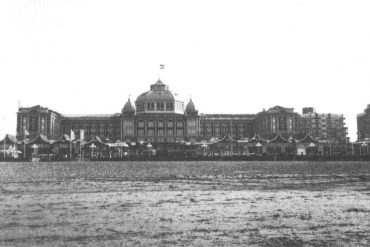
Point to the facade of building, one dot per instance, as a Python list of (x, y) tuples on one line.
[(363, 125), (276, 120), (161, 117), (323, 126), (38, 120), (237, 126)]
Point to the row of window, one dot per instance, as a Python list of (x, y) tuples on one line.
[(35, 124), (159, 132), (160, 124), (276, 123), (152, 106)]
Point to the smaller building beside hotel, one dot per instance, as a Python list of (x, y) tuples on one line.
[(363, 125), (323, 126)]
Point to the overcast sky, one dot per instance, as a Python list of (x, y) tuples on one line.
[(87, 56)]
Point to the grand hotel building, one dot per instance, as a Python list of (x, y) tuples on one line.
[(159, 116)]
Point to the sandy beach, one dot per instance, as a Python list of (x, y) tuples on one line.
[(185, 204)]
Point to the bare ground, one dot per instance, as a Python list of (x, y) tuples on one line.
[(185, 204)]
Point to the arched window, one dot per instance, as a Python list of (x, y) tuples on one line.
[(179, 124), (150, 126), (160, 128), (160, 124), (140, 128), (179, 128), (169, 106), (160, 106), (170, 127)]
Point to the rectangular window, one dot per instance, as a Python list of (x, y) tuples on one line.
[(192, 131), (150, 124), (128, 123), (169, 131), (24, 123), (150, 106), (140, 132), (110, 129), (192, 123), (150, 132), (169, 106), (179, 124), (160, 106), (34, 124), (42, 124)]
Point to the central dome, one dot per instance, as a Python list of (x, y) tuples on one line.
[(159, 99)]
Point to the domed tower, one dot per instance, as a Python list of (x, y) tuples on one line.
[(192, 121), (160, 115), (159, 99), (128, 108), (128, 121), (190, 108)]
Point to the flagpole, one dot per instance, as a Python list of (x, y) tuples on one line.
[(70, 149), (70, 146), (24, 145), (4, 146)]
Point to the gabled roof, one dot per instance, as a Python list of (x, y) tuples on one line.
[(307, 139), (40, 139), (96, 140), (226, 139), (279, 139), (37, 108), (64, 138), (256, 138), (9, 139), (278, 108)]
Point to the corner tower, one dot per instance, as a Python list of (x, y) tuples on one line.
[(128, 122), (192, 121)]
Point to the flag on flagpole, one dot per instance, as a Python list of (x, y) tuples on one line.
[(26, 133), (72, 135), (161, 66)]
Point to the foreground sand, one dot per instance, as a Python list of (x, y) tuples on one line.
[(182, 204)]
